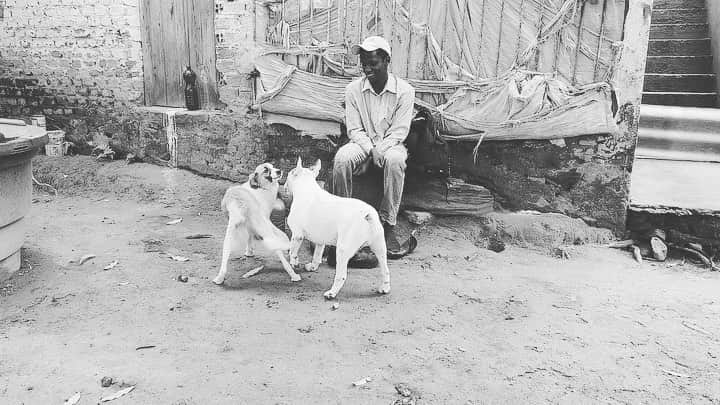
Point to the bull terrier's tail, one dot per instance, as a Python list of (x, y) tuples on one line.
[(373, 220)]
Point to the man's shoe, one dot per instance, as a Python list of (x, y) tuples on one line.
[(363, 259), (394, 250)]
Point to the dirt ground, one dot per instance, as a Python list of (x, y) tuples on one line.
[(462, 325)]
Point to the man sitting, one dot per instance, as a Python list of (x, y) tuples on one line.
[(378, 112)]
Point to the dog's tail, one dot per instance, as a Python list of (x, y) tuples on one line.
[(244, 210), (269, 235), (373, 220)]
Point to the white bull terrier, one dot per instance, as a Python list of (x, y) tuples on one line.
[(326, 219)]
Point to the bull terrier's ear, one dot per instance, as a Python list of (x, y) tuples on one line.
[(299, 163)]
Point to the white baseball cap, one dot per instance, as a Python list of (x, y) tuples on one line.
[(371, 44)]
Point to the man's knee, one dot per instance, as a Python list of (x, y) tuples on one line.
[(396, 160)]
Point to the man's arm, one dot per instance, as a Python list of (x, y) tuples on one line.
[(353, 123), (400, 126)]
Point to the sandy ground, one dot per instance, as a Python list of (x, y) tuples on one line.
[(462, 325)]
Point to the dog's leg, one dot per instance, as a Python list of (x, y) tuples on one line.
[(317, 258), (288, 268), (250, 248), (228, 246), (343, 256), (377, 245), (295, 243)]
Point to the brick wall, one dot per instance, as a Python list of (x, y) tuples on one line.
[(65, 57), (80, 63)]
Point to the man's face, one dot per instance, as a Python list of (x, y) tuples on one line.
[(374, 65)]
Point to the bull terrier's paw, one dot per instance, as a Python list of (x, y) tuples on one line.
[(294, 261), (330, 294), (295, 278), (219, 280), (249, 253), (384, 289), (311, 266)]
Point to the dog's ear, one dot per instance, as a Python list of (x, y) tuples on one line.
[(254, 183), (299, 163), (316, 168)]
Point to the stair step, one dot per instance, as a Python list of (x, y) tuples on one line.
[(702, 125), (679, 133), (680, 99), (679, 16), (679, 47), (662, 4), (678, 31), (679, 64), (689, 83)]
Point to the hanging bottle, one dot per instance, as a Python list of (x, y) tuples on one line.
[(191, 93)]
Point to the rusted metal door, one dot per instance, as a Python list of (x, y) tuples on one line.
[(177, 33)]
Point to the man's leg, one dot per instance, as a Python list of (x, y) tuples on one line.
[(347, 160), (394, 181)]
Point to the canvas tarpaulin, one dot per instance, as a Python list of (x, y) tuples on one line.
[(487, 69), (525, 106)]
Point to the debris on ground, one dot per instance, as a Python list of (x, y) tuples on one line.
[(177, 258), (361, 382), (48, 186), (408, 395), (674, 374), (199, 236), (174, 221), (145, 347), (182, 278), (152, 245), (306, 329), (111, 265), (253, 272), (106, 382), (495, 244), (117, 394), (335, 306), (562, 253), (132, 158), (656, 245), (83, 259), (418, 217), (73, 399)]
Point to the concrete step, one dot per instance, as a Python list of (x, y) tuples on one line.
[(673, 184), (662, 4), (689, 83), (679, 64), (679, 47), (654, 143), (679, 16), (680, 99), (679, 31), (679, 133), (706, 120)]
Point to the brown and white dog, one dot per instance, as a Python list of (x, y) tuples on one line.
[(249, 206)]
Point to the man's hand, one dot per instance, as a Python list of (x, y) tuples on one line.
[(377, 157)]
